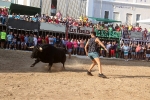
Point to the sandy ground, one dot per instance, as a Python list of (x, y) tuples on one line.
[(126, 80)]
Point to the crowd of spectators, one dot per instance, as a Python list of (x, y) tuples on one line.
[(75, 46)]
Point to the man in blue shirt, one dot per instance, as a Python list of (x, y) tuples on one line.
[(9, 40), (26, 39)]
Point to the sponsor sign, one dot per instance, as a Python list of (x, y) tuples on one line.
[(81, 30), (53, 27), (136, 35)]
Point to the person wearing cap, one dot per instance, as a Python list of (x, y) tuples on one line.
[(91, 52)]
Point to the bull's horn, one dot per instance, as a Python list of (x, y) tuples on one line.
[(40, 49), (31, 47)]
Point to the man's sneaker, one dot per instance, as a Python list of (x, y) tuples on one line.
[(102, 75), (89, 73)]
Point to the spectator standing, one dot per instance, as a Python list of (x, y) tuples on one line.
[(22, 41), (43, 40), (47, 39), (9, 40), (75, 46), (58, 41), (26, 39), (102, 50), (14, 41), (35, 40), (51, 40), (3, 38), (148, 52), (69, 47), (81, 49), (138, 49), (126, 51), (18, 41), (108, 48), (39, 40), (30, 40), (133, 53)]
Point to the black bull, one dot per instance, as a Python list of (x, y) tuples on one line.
[(48, 54)]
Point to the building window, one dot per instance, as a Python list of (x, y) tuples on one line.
[(116, 15), (138, 17), (106, 16), (128, 18)]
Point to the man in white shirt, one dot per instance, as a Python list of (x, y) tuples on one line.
[(51, 40), (35, 40)]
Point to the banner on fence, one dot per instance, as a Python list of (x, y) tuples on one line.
[(80, 30)]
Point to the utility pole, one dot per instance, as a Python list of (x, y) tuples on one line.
[(41, 5), (101, 10)]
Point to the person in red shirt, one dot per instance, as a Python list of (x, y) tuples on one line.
[(39, 40), (22, 41), (49, 20), (69, 47), (56, 21), (46, 39)]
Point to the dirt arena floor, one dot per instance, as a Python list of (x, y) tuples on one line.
[(18, 81)]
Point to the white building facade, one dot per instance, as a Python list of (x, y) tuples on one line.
[(127, 11)]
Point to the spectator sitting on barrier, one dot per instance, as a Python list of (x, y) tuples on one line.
[(4, 14), (34, 19), (58, 15), (17, 16), (56, 21), (49, 20)]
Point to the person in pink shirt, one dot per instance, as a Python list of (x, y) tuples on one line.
[(69, 46), (75, 46), (81, 49)]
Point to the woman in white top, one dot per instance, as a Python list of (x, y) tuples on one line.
[(126, 51)]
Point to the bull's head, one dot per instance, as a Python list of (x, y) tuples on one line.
[(36, 51)]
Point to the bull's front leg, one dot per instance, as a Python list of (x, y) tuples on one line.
[(50, 65), (36, 61)]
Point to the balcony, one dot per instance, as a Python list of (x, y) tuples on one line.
[(5, 3)]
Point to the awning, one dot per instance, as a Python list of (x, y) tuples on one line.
[(104, 20), (146, 21), (24, 10)]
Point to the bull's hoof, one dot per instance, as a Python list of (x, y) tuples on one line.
[(63, 68), (32, 66)]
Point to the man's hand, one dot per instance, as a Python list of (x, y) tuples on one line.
[(106, 50)]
